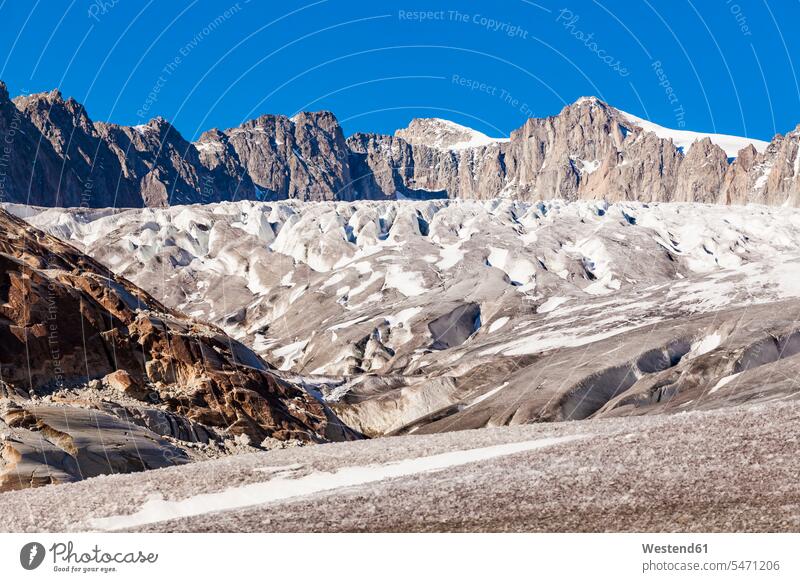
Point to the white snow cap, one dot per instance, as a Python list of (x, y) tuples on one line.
[(730, 144), (444, 134), (588, 99)]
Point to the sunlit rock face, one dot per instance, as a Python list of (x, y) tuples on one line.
[(589, 151)]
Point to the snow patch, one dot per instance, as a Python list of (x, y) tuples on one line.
[(498, 324), (290, 353), (483, 397), (409, 283), (705, 345), (723, 382), (552, 304), (283, 486), (451, 256)]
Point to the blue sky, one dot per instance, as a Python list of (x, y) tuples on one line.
[(723, 66)]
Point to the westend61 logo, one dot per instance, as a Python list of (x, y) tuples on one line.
[(67, 559)]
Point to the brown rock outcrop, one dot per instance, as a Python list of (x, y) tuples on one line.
[(65, 320), (122, 381)]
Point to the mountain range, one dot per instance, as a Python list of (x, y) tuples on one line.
[(57, 156), (278, 284)]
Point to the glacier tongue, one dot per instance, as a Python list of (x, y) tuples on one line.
[(362, 297)]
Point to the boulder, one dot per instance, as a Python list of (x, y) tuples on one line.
[(125, 383)]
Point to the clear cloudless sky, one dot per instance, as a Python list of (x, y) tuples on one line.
[(706, 65)]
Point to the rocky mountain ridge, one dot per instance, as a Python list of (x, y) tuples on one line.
[(59, 157)]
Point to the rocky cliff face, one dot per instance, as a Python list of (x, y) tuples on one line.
[(772, 177), (82, 351), (590, 150), (60, 157), (88, 166), (157, 161), (304, 157), (31, 170)]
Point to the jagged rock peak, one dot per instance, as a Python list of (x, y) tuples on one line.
[(160, 124), (51, 96), (590, 101), (211, 134), (49, 101), (323, 117), (316, 116)]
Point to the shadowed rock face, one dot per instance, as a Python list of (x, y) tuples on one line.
[(66, 321), (590, 150), (159, 164), (87, 158), (454, 328), (33, 171), (54, 444)]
